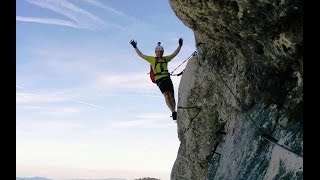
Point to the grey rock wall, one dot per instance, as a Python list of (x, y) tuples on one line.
[(246, 81)]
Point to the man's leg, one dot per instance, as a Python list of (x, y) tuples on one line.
[(169, 97), (168, 93), (172, 100), (170, 104), (173, 103)]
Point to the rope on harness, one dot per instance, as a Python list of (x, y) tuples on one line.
[(179, 74)]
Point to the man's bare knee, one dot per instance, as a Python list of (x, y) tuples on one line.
[(166, 94), (169, 94)]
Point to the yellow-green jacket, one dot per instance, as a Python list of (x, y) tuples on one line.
[(160, 66)]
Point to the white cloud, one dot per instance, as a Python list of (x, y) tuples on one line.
[(97, 84), (137, 121), (144, 124), (140, 93), (100, 5), (41, 129), (51, 109), (89, 104), (28, 100), (22, 98), (155, 116), (145, 121), (112, 10), (81, 17), (19, 87), (48, 21), (54, 125), (134, 81)]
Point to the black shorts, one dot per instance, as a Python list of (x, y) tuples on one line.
[(165, 84)]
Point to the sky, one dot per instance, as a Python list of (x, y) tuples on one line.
[(85, 105)]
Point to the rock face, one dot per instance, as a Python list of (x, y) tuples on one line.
[(240, 104)]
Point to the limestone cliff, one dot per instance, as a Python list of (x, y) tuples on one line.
[(241, 98)]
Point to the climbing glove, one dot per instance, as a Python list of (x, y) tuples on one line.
[(180, 41), (133, 43)]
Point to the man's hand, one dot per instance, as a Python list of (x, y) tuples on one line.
[(133, 43), (180, 42)]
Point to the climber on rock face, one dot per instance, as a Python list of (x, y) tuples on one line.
[(159, 64)]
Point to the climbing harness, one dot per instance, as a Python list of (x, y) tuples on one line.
[(162, 70), (152, 74)]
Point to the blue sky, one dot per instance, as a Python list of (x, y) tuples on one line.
[(85, 105)]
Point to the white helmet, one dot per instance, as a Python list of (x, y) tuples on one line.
[(159, 48)]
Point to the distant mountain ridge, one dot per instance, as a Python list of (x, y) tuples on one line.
[(43, 178), (32, 178), (101, 179)]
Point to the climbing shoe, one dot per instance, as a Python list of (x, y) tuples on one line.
[(174, 116)]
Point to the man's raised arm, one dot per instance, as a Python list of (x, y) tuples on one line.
[(134, 44), (178, 49)]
